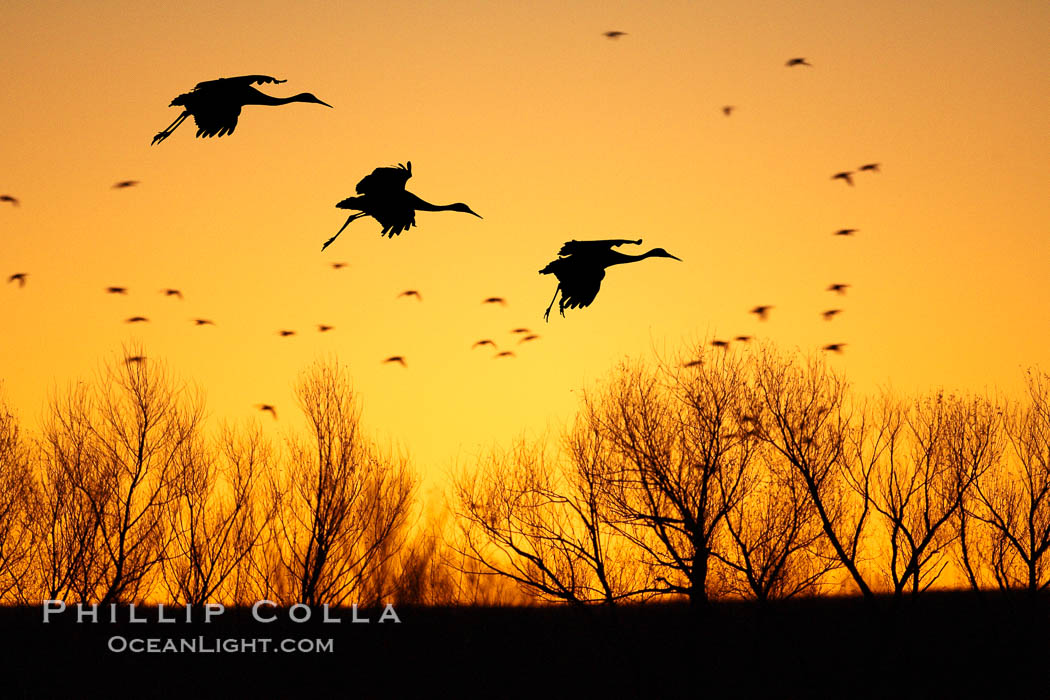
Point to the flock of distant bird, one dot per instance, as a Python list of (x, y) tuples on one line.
[(215, 106)]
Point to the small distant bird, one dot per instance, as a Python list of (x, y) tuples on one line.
[(743, 338), (338, 265), (762, 312), (728, 110), (614, 34), (835, 347), (116, 290), (495, 300), (20, 276), (203, 322), (830, 314), (845, 232), (844, 175), (484, 342), (216, 104), (838, 287), (505, 353), (797, 62), (324, 328), (531, 336), (285, 334), (869, 167), (521, 330), (124, 184), (267, 407), (411, 293), (693, 363), (384, 198), (171, 293), (396, 358), (134, 359), (137, 319), (581, 266), (724, 344), (8, 198)]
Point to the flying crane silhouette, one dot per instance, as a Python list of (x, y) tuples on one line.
[(13, 201), (384, 198), (614, 34), (216, 104), (797, 62), (124, 184), (581, 268), (20, 277)]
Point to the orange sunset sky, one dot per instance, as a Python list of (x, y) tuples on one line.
[(551, 132)]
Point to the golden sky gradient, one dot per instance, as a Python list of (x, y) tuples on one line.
[(550, 132)]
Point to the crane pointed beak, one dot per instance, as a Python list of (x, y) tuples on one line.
[(322, 102), (675, 257)]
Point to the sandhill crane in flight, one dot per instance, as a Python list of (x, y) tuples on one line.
[(830, 314), (486, 341), (124, 184), (338, 265), (267, 407), (693, 363), (797, 62), (869, 167), (285, 334), (203, 322), (116, 290), (216, 104), (20, 277), (137, 319), (614, 34), (134, 359), (743, 338), (505, 353), (724, 344), (384, 198), (844, 175), (13, 201), (171, 293), (581, 268), (728, 110), (495, 300), (531, 336), (521, 330), (835, 347), (396, 358), (411, 293), (761, 311), (324, 328), (838, 287), (845, 232)]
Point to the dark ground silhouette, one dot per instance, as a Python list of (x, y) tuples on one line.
[(943, 644)]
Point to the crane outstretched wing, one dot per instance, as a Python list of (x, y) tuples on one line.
[(216, 120), (383, 180), (580, 289), (240, 79), (574, 247)]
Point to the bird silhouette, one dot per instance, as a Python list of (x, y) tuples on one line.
[(323, 328), (396, 358), (124, 184), (835, 347), (743, 338), (13, 201), (728, 110), (845, 232), (484, 342), (411, 293), (614, 34), (797, 62), (521, 330), (20, 277), (216, 104), (134, 359), (285, 334), (203, 322), (338, 265), (116, 290), (869, 167), (531, 336), (495, 300), (581, 268), (137, 319), (844, 175), (830, 314), (838, 287), (724, 344), (505, 353), (761, 311), (693, 363), (267, 407), (384, 198), (171, 293)]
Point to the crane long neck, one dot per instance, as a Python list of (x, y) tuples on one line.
[(261, 98), (618, 258), (423, 205)]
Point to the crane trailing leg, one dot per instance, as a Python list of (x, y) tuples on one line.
[(348, 220), (548, 311), (171, 127)]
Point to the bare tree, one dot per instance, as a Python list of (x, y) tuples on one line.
[(342, 505), (18, 496), (218, 518)]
